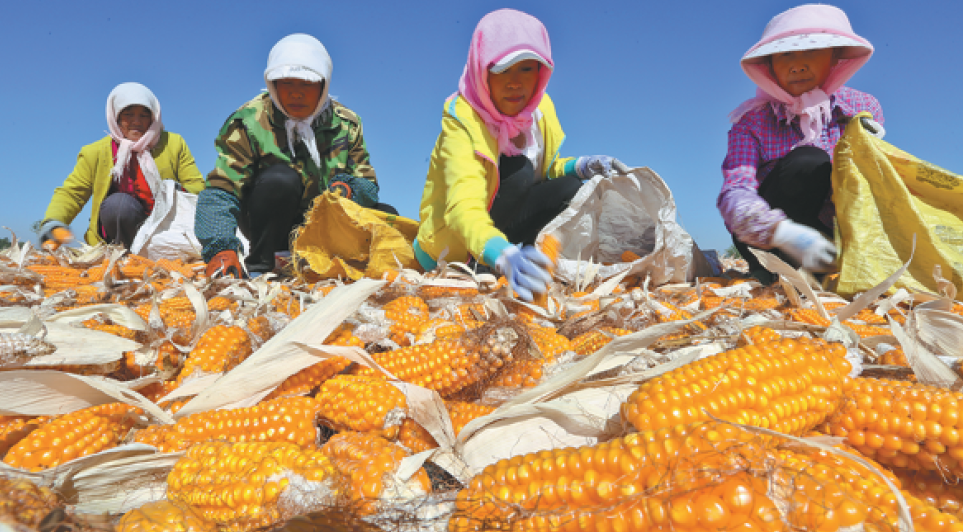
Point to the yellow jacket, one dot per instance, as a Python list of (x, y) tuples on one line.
[(91, 177), (463, 180)]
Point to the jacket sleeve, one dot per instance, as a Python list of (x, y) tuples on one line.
[(235, 157), (69, 199), (465, 175), (187, 173), (359, 164)]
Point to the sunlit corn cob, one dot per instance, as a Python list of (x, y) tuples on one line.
[(85, 294), (163, 516), (807, 315), (755, 303), (366, 464), (903, 424), (15, 428), (261, 327), (457, 329), (168, 358), (220, 349), (158, 390), (760, 335), (706, 476), (865, 331), (246, 486), (178, 266), (446, 366), (668, 312), (470, 312), (287, 419), (362, 404), (73, 435), (549, 342), (787, 385), (17, 348), (521, 373), (110, 328), (551, 247), (407, 316), (894, 357), (591, 341), (288, 303), (24, 504), (309, 378), (932, 488), (433, 292), (57, 278), (417, 439)]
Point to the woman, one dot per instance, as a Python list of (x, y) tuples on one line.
[(275, 155), (122, 172), (495, 178)]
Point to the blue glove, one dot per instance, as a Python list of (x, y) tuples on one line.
[(215, 222), (526, 269), (589, 166), (362, 191)]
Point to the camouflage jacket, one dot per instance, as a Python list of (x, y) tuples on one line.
[(254, 138)]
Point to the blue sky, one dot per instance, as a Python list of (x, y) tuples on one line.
[(648, 82)]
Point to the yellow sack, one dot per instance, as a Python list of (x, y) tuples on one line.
[(342, 239), (884, 197)]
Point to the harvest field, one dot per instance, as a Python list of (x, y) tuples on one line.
[(139, 395)]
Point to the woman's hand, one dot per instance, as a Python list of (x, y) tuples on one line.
[(526, 269), (589, 166), (54, 234)]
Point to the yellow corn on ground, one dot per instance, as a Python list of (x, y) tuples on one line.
[(220, 349), (287, 303), (786, 385), (446, 366), (365, 463), (110, 328), (261, 327), (73, 435), (361, 404), (286, 419), (242, 486), (705, 476), (308, 379), (164, 516), (433, 292), (417, 439), (933, 489), (760, 335), (551, 247), (25, 504), (591, 341), (894, 357), (549, 342), (902, 424), (15, 428), (407, 316)]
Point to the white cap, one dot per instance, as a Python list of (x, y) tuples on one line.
[(510, 59), (808, 41)]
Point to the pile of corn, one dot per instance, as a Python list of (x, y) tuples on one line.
[(336, 435)]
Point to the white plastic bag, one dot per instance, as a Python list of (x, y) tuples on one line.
[(631, 212), (168, 233)]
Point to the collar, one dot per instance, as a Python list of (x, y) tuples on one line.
[(835, 103), (325, 119)]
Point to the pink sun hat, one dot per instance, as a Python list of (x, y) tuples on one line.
[(807, 27)]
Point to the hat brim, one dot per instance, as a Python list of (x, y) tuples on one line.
[(506, 62), (293, 72), (852, 48)]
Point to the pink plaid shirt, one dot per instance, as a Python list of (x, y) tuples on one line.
[(762, 137)]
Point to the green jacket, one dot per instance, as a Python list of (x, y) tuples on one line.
[(91, 177), (254, 138), (463, 180)]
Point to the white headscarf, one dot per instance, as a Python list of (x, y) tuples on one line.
[(300, 56), (122, 97)]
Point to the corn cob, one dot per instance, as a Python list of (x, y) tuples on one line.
[(161, 516), (417, 439), (551, 247), (286, 302), (362, 404), (366, 463), (306, 380), (18, 348), (705, 476), (287, 419), (24, 503), (521, 373), (456, 330), (15, 428), (894, 357), (407, 315), (807, 315), (220, 349), (110, 328), (446, 366), (760, 335), (903, 425), (73, 435), (931, 488), (158, 390), (247, 486), (414, 437), (434, 292), (549, 342), (591, 341), (787, 385), (261, 327)]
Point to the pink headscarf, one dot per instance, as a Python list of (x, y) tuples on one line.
[(122, 97), (807, 27), (498, 34)]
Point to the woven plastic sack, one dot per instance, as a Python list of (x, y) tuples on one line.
[(633, 212), (885, 199), (341, 239)]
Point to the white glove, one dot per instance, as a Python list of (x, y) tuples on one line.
[(526, 270), (589, 166), (873, 127), (806, 245)]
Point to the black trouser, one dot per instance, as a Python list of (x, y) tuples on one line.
[(799, 185), (121, 216), (271, 210), (523, 206)]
